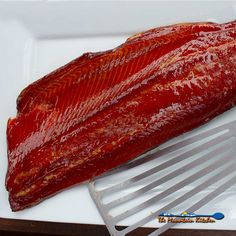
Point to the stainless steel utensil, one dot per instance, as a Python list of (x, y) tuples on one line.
[(144, 188)]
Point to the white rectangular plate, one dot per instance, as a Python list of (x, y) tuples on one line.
[(37, 37)]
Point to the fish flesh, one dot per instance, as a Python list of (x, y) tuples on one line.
[(106, 108)]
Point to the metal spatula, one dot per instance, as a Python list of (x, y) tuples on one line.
[(138, 192)]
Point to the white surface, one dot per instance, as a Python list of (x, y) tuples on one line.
[(37, 37)]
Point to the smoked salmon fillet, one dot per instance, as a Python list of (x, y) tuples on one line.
[(106, 108)]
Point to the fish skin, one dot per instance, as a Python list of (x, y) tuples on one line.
[(66, 151)]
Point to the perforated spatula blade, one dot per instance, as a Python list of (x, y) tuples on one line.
[(178, 174)]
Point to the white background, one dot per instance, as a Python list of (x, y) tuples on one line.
[(37, 37)]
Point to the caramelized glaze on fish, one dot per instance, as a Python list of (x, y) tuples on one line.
[(104, 109)]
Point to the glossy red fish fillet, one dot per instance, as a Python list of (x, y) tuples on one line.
[(106, 108), (111, 65), (85, 99)]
